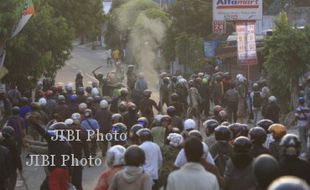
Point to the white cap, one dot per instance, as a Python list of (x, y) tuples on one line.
[(69, 121), (104, 104), (94, 92), (76, 116), (175, 139), (272, 99), (82, 107), (189, 124), (42, 101), (115, 155)]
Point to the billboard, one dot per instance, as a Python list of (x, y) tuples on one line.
[(209, 48), (246, 43), (237, 10), (218, 27)]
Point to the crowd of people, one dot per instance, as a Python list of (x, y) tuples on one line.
[(196, 136)]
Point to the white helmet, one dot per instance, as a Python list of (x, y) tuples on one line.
[(69, 121), (189, 124), (69, 86), (42, 101), (272, 99), (115, 155), (76, 116), (175, 139), (104, 104), (82, 107), (94, 92)]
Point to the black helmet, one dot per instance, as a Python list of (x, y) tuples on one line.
[(8, 132), (257, 135), (222, 133), (135, 128), (244, 130), (80, 91), (266, 169), (171, 111), (145, 134), (265, 124), (236, 129), (210, 125), (242, 145), (117, 118), (289, 183), (15, 110), (143, 121), (97, 99), (134, 156), (89, 100), (290, 145), (88, 89)]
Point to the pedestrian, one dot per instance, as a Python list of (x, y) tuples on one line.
[(5, 165), (78, 80), (148, 105), (192, 175), (153, 156), (272, 110), (257, 102), (132, 177), (258, 137), (277, 131), (302, 115), (115, 163), (231, 99), (209, 126)]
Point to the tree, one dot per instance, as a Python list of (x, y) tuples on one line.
[(41, 48), (287, 56), (86, 17), (8, 18)]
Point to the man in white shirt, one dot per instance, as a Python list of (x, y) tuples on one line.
[(192, 175), (153, 156)]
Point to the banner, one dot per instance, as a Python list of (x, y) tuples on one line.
[(27, 12), (219, 27), (237, 10), (246, 43), (209, 48)]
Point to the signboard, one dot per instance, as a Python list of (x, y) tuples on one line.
[(219, 27), (246, 43), (209, 48), (237, 10)]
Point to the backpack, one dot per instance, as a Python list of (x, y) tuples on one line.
[(220, 161), (257, 100)]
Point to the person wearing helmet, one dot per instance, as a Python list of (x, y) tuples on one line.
[(192, 174), (10, 141), (265, 124), (104, 117), (289, 183), (176, 120), (5, 161), (242, 88), (82, 108), (182, 91), (61, 110), (36, 110), (78, 80), (221, 150), (170, 152), (148, 105), (216, 110), (209, 126), (218, 90), (194, 102), (239, 169), (19, 126), (91, 126), (115, 162), (277, 131), (302, 115), (231, 99), (271, 110), (256, 103), (164, 92), (57, 147), (51, 104), (132, 177), (189, 124), (141, 84), (153, 155), (266, 169), (73, 104), (118, 129), (117, 118), (205, 93), (131, 116), (159, 132), (176, 102), (131, 78), (290, 163), (133, 136), (258, 137), (14, 95), (181, 158)]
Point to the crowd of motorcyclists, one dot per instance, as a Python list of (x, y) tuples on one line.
[(198, 135)]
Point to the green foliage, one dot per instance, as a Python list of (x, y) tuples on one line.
[(41, 48), (86, 17), (8, 18), (287, 58)]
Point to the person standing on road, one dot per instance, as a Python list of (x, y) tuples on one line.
[(302, 115), (257, 100), (231, 99), (78, 80)]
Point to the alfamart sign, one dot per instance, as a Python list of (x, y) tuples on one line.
[(237, 10)]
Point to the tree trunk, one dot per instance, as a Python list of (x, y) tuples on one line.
[(294, 94)]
